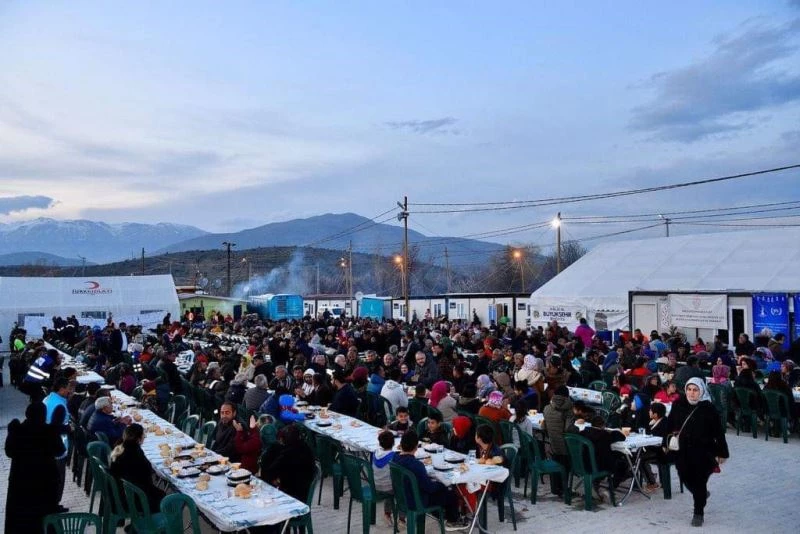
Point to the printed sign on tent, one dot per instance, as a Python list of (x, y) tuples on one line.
[(565, 315), (699, 311), (771, 310)]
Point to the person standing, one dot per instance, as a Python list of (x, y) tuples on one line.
[(32, 446), (701, 438)]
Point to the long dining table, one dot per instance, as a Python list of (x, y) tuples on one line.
[(266, 505), (358, 436)]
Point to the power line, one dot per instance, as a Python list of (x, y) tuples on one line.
[(520, 204)]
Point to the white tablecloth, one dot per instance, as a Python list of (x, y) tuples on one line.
[(365, 438), (636, 441), (269, 507), (586, 395), (85, 376)]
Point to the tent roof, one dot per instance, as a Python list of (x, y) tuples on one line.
[(747, 261)]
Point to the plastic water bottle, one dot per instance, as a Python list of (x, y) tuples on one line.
[(471, 457)]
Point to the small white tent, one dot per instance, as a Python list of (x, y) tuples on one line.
[(597, 285), (32, 302)]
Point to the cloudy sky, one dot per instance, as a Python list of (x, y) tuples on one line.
[(230, 117)]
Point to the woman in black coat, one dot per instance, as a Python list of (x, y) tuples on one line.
[(702, 442), (128, 462), (290, 467), (32, 447)]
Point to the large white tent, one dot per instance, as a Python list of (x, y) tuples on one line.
[(597, 286), (33, 302)]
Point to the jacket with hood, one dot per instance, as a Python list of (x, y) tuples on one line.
[(395, 394), (558, 417)]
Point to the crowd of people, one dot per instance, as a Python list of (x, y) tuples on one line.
[(459, 370)]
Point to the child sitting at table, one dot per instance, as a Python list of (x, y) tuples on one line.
[(435, 431), (380, 470), (487, 453), (402, 422)]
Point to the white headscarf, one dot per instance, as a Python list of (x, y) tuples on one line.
[(700, 383)]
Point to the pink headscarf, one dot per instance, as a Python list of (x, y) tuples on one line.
[(720, 374), (495, 399), (438, 392)]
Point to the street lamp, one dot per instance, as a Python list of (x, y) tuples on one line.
[(398, 260), (517, 255), (556, 223), (228, 245)]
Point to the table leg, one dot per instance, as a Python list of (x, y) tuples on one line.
[(285, 526), (634, 462), (475, 519)]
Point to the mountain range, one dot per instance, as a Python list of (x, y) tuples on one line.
[(101, 242)]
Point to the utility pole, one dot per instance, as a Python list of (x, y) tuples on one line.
[(403, 215), (666, 220), (350, 277), (83, 265), (557, 223), (229, 245), (142, 261), (447, 267), (317, 278)]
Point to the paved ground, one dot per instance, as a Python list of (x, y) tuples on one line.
[(758, 490)]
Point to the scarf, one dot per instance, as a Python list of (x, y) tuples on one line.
[(700, 383)]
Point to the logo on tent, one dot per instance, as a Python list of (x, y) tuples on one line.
[(92, 288)]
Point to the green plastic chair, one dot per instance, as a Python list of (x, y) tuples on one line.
[(207, 433), (328, 452), (598, 385), (417, 409), (190, 425), (577, 446), (304, 521), (510, 451), (411, 505), (176, 407), (101, 436), (719, 396), (747, 399), (538, 465), (507, 430), (357, 471), (172, 508), (101, 451), (777, 412), (481, 420), (79, 459), (611, 401), (113, 509), (72, 523), (269, 435), (142, 519), (137, 393)]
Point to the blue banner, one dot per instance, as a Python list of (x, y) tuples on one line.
[(771, 310), (796, 317)]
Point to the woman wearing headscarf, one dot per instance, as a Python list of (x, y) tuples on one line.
[(496, 409), (720, 373), (128, 462), (530, 371), (701, 439), (33, 479), (485, 386), (442, 400)]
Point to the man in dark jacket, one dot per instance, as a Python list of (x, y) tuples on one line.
[(225, 439), (602, 438), (433, 492), (426, 372), (345, 400), (167, 364), (690, 370)]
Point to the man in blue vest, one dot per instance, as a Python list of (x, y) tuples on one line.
[(40, 375), (58, 397)]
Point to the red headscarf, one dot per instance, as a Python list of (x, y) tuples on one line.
[(438, 392), (461, 425)]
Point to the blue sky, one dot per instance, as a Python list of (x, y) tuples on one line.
[(232, 116)]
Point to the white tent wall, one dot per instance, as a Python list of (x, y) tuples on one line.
[(126, 298), (746, 262)]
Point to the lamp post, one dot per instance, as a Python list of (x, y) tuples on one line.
[(519, 256), (228, 245), (557, 225), (398, 260)]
